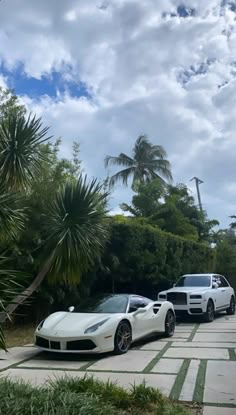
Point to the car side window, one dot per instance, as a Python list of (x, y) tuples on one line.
[(223, 281), (137, 302)]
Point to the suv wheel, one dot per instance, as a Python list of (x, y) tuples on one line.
[(231, 309), (210, 312)]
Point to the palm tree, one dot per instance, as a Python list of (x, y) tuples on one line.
[(20, 160), (10, 285), (20, 150), (147, 163), (75, 236)]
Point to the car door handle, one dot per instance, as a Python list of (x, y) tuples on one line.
[(222, 291)]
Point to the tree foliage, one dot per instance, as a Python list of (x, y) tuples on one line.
[(146, 257), (172, 209), (147, 163)]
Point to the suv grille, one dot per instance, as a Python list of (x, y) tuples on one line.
[(177, 298)]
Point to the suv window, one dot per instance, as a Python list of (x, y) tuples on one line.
[(137, 302), (223, 281)]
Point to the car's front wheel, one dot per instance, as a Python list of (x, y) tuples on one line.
[(210, 312), (231, 310), (169, 324), (123, 338)]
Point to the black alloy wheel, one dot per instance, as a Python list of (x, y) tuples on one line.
[(231, 310), (210, 312), (123, 338), (170, 324)]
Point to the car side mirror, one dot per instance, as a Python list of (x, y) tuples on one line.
[(215, 285), (71, 309), (174, 285)]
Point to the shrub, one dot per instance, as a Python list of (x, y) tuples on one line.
[(86, 396), (150, 258)]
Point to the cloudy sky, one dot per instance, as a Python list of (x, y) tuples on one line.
[(104, 71)]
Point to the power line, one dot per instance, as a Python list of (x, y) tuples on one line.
[(198, 182)]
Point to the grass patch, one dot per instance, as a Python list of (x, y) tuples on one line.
[(19, 336), (84, 396)]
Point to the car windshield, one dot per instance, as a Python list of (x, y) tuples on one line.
[(105, 304), (194, 281)]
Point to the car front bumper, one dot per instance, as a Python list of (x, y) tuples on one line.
[(82, 344)]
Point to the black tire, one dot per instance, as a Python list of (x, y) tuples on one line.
[(169, 323), (123, 338), (210, 312), (231, 310)]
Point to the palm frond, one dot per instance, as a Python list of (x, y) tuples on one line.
[(158, 151), (122, 175), (121, 160), (12, 217), (77, 229), (20, 149), (163, 167)]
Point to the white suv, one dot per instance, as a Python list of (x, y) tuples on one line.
[(201, 294)]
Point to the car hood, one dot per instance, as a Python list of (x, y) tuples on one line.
[(71, 323), (186, 290)]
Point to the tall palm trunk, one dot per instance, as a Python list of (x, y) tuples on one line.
[(19, 299)]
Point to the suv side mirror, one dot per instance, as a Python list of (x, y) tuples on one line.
[(174, 285), (215, 285), (71, 309)]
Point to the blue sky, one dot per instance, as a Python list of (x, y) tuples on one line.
[(50, 84), (104, 72)]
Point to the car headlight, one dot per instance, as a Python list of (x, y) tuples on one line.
[(162, 296), (195, 297), (93, 328), (40, 325)]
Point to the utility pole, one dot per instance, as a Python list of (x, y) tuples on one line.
[(198, 182)]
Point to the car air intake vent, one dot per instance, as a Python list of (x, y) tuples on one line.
[(81, 345), (42, 342), (55, 345), (177, 298)]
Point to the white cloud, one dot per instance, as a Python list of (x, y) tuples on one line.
[(132, 60)]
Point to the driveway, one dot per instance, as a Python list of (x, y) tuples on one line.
[(197, 364)]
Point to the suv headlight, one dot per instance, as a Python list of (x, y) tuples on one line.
[(93, 328), (195, 297)]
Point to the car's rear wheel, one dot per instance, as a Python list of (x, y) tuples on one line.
[(231, 310), (210, 312), (123, 338), (169, 324)]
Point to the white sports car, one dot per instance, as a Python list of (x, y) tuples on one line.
[(110, 323)]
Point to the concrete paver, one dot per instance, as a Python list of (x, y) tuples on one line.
[(15, 355), (220, 382), (197, 353), (204, 344), (134, 361), (215, 337), (190, 381), (168, 366), (214, 410), (156, 345), (53, 364)]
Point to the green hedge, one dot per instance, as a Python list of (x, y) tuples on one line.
[(149, 256)]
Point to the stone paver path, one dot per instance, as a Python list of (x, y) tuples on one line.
[(197, 364)]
